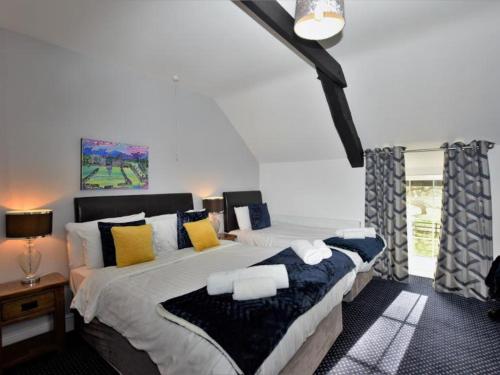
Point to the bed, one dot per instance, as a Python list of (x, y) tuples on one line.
[(116, 313), (283, 231)]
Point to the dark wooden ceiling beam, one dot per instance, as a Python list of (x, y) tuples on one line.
[(342, 118), (330, 73)]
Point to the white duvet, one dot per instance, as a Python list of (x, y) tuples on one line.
[(126, 299), (282, 234)]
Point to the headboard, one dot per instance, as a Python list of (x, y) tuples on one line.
[(95, 208), (234, 199)]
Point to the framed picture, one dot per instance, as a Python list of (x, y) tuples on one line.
[(111, 165)]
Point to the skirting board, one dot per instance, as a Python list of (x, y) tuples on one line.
[(25, 330)]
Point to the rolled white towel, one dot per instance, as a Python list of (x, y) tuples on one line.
[(353, 233), (222, 282), (305, 251), (253, 288), (326, 252), (370, 232), (277, 272)]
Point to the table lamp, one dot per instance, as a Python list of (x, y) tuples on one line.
[(29, 225), (214, 206)]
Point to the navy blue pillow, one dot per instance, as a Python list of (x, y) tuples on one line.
[(183, 240), (107, 241), (259, 215)]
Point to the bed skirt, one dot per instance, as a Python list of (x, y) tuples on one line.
[(362, 280), (127, 360)]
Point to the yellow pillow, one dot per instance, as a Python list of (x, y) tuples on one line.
[(133, 244), (202, 234)]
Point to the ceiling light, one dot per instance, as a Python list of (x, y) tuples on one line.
[(319, 19)]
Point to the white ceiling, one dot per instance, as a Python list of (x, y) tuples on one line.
[(397, 56)]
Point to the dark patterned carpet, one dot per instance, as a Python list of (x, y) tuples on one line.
[(394, 328), (390, 328)]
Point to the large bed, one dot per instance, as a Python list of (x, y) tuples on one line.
[(284, 230), (117, 313)]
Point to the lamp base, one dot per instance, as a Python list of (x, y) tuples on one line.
[(30, 280)]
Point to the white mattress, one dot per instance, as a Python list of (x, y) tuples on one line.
[(282, 234), (126, 300)]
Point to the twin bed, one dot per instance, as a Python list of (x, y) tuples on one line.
[(281, 234), (118, 310)]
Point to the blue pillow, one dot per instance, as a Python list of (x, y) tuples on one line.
[(107, 241), (259, 215), (183, 240)]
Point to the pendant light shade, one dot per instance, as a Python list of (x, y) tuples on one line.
[(319, 19)]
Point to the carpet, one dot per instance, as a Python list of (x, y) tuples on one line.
[(395, 328)]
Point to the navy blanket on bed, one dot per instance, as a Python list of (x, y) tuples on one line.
[(367, 248), (249, 330)]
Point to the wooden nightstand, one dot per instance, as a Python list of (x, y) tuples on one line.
[(19, 302), (227, 236)]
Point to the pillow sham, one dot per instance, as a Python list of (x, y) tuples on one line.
[(74, 242), (183, 240), (259, 216), (133, 244), (202, 234), (243, 218), (164, 232), (107, 242)]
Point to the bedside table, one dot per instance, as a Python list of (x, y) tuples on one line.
[(227, 236), (20, 302)]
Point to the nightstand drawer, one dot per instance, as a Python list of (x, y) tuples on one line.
[(33, 304)]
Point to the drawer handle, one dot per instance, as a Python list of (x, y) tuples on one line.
[(29, 305)]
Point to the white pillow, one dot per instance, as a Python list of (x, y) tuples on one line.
[(74, 242), (164, 232), (92, 247), (243, 218)]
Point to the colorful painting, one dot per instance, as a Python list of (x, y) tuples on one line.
[(111, 165)]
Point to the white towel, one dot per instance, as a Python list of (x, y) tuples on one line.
[(353, 233), (277, 272), (246, 289), (222, 282), (326, 252), (305, 250)]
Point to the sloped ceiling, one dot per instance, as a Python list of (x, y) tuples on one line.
[(419, 72)]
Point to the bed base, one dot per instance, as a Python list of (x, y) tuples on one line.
[(362, 280), (114, 348), (127, 360)]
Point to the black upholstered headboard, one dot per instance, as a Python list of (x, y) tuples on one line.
[(95, 208), (234, 199)]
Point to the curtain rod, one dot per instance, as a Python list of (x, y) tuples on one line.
[(491, 145)]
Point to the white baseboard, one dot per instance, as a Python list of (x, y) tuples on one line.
[(25, 330)]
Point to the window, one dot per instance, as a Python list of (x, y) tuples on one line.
[(424, 201)]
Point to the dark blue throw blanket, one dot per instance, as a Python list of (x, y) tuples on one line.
[(367, 248), (249, 330)]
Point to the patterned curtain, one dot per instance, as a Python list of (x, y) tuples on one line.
[(466, 247), (385, 209)]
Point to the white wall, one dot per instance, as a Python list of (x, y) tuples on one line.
[(323, 189), (51, 97)]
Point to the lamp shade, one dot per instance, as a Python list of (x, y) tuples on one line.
[(319, 19), (213, 204), (28, 224)]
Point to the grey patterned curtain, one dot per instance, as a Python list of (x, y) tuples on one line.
[(385, 209), (466, 247)]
